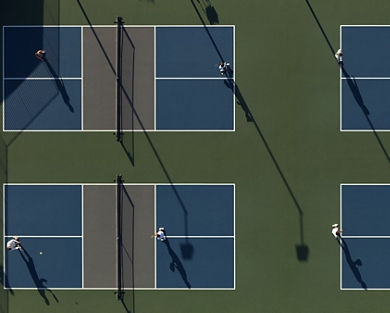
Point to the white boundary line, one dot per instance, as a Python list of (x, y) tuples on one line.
[(4, 251), (82, 77), (125, 131), (82, 236), (341, 84), (43, 78), (357, 237), (125, 184), (38, 236), (344, 78), (364, 78), (184, 236), (365, 184), (234, 236), (367, 237), (340, 248), (195, 78), (155, 76), (3, 72), (365, 25), (172, 289), (112, 26), (234, 87), (155, 227)]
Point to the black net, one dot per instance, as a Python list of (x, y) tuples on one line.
[(119, 23), (119, 237)]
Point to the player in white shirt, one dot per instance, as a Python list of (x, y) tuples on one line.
[(336, 231), (160, 235), (14, 244)]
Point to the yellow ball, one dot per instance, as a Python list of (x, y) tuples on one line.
[(41, 252)]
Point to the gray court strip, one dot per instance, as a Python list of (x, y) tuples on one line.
[(137, 229), (138, 77), (99, 77), (99, 61), (99, 236)]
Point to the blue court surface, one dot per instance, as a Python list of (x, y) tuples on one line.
[(365, 78), (198, 254), (365, 245), (48, 96)]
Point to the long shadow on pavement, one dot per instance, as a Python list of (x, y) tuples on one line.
[(302, 249), (39, 282)]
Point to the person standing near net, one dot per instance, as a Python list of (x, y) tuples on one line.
[(14, 244), (40, 54), (160, 234)]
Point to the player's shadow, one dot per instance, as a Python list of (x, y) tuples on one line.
[(176, 264), (39, 282), (60, 86), (353, 264), (352, 84)]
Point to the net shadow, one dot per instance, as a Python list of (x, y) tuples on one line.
[(302, 249), (125, 111), (187, 248)]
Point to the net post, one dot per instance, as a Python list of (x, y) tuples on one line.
[(119, 182), (119, 22)]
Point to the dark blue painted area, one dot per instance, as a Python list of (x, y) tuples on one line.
[(60, 265), (365, 104), (196, 210), (194, 105), (365, 263), (42, 104), (43, 210), (366, 51), (211, 265), (193, 51), (366, 210), (62, 45)]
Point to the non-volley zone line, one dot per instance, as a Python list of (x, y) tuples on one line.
[(189, 237)]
